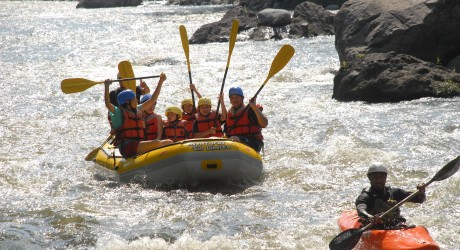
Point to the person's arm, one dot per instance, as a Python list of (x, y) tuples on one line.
[(144, 88), (223, 116), (155, 95), (108, 104), (261, 119), (193, 88), (159, 127), (362, 205), (401, 194)]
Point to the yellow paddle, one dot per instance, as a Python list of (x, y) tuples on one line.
[(184, 39), (233, 34), (75, 85), (281, 59), (125, 69)]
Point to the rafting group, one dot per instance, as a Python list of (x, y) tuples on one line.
[(139, 129)]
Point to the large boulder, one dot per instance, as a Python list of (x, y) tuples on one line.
[(412, 39), (107, 3), (309, 20), (392, 77)]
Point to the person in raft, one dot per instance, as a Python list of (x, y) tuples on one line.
[(245, 122), (188, 110), (127, 121), (174, 128), (140, 90), (377, 199), (152, 121), (206, 124)]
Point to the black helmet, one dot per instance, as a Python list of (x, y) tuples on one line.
[(377, 167)]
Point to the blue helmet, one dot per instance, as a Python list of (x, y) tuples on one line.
[(145, 98), (235, 91), (124, 96)]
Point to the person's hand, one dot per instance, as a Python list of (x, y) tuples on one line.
[(212, 131), (192, 87), (143, 84), (421, 188), (162, 77), (375, 219), (221, 97), (107, 82)]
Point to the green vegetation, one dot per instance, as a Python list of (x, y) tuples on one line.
[(448, 87)]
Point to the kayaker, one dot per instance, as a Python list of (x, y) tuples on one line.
[(188, 111), (379, 198), (127, 121), (206, 125), (140, 90), (174, 128), (152, 121), (245, 122)]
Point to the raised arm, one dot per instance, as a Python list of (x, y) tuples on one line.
[(108, 104), (261, 119), (155, 94), (144, 88), (192, 87), (223, 116)]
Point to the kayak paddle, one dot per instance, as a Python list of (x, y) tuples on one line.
[(184, 39), (348, 239), (75, 85), (233, 34)]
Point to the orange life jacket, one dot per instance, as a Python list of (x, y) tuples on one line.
[(132, 127), (203, 123), (240, 124), (190, 118), (151, 127), (175, 131)]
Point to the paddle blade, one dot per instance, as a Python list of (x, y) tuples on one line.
[(233, 34), (448, 170), (281, 59), (75, 85), (346, 240), (184, 39), (125, 70)]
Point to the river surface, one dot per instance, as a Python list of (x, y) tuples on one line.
[(316, 155)]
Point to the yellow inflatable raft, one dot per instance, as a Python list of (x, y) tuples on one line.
[(185, 163)]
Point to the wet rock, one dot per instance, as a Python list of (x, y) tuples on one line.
[(418, 37)]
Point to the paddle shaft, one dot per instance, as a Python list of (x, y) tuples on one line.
[(135, 78), (233, 34)]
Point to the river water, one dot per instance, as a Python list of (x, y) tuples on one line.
[(316, 155)]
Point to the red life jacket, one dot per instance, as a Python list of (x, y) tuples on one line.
[(240, 124), (204, 123), (176, 131), (190, 118), (132, 127), (151, 126)]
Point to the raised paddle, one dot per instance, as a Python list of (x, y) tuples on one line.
[(281, 59), (184, 39), (233, 34), (125, 70), (75, 85), (348, 239)]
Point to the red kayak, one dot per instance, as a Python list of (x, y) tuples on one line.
[(409, 238)]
